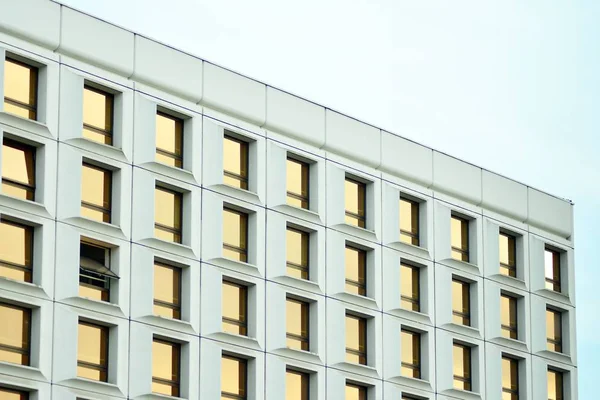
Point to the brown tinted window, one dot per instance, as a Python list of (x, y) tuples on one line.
[(461, 302), (508, 316), (235, 235), (235, 162), (555, 385), (233, 378), (409, 287), (356, 339), (18, 170), (296, 385), (297, 253), (166, 358), (10, 394), (554, 330), (169, 140), (98, 115), (508, 254), (297, 332), (552, 269), (235, 308), (510, 379), (96, 193), (167, 291), (92, 352), (15, 334), (355, 392), (409, 221), (168, 214), (356, 271), (16, 251), (411, 353), (297, 183), (459, 238), (20, 89), (94, 271), (356, 199), (461, 359)]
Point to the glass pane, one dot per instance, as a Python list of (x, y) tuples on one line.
[(20, 82), (92, 344), (459, 233), (165, 361), (95, 186), (409, 286), (555, 385), (355, 393), (297, 247), (93, 293), (234, 300), (16, 246), (355, 265), (167, 208), (18, 163), (460, 293), (234, 228), (14, 332), (7, 394), (296, 385), (355, 333), (409, 216), (510, 373), (507, 249), (97, 109), (297, 318), (235, 157), (294, 177), (90, 373), (167, 282), (355, 197), (169, 133), (233, 376)]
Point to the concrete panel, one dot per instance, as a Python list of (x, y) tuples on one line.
[(168, 69), (550, 213), (295, 117), (406, 159), (504, 195), (35, 20), (351, 138), (457, 178)]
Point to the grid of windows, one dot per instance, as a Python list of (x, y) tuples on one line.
[(20, 88), (18, 169)]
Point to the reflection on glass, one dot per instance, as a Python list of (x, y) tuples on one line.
[(296, 315), (14, 334), (20, 89), (296, 385), (297, 183), (92, 352), (508, 252), (18, 170), (169, 140), (96, 193), (235, 235), (97, 115), (461, 302), (356, 199), (355, 392), (235, 310), (356, 339), (233, 378), (411, 353), (235, 162), (508, 316), (409, 287), (554, 330), (167, 291), (459, 238), (10, 394), (510, 379), (409, 221), (167, 214), (356, 271), (16, 251), (555, 385), (297, 253), (165, 367), (461, 358), (552, 269)]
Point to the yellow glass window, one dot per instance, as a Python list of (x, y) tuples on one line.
[(554, 330), (235, 235), (356, 271), (169, 140), (552, 269), (296, 385), (356, 339), (355, 392), (461, 302), (167, 291), (297, 253), (461, 358), (98, 115), (235, 162), (10, 394), (459, 238), (168, 214), (297, 183), (165, 367), (16, 251), (233, 378), (96, 193), (94, 271), (297, 332), (20, 89), (410, 287), (409, 221), (508, 254), (18, 170), (15, 333), (411, 353), (510, 379), (356, 199), (555, 385), (235, 309), (92, 352), (508, 316)]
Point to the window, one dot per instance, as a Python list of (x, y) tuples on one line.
[(166, 358), (459, 238), (15, 334), (356, 199), (508, 316), (508, 254), (167, 291), (169, 140), (18, 170), (297, 183), (356, 339), (462, 366), (409, 287), (552, 269), (297, 332), (356, 271), (92, 352), (94, 271), (409, 221), (461, 302), (233, 378), (235, 162), (167, 214), (355, 392), (235, 235), (411, 353), (98, 115), (510, 379), (10, 394), (554, 330), (96, 193), (555, 385), (16, 251), (297, 253), (20, 89), (235, 308), (296, 385)]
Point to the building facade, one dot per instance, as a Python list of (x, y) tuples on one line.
[(172, 229)]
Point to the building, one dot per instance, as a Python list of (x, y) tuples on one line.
[(171, 226)]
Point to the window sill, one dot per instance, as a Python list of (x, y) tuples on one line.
[(94, 386), (32, 207), (27, 288), (169, 323), (179, 249), (239, 340), (462, 394), (24, 371), (465, 330), (307, 285), (34, 126), (238, 193), (362, 301), (421, 384), (102, 149), (180, 174), (300, 213), (99, 226), (302, 355), (239, 266), (416, 316), (362, 233), (417, 251), (556, 296), (360, 369)]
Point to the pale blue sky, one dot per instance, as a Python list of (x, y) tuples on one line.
[(509, 85)]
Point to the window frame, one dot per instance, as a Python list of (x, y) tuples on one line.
[(22, 394), (243, 179), (362, 329), (361, 220), (110, 99), (103, 369), (361, 287), (244, 222), (179, 122), (174, 231), (560, 388), (553, 283), (108, 181), (512, 330), (174, 384), (176, 307), (27, 269), (29, 151), (304, 243), (304, 382), (416, 365), (414, 237), (362, 390), (557, 340), (304, 183), (416, 302), (465, 249), (243, 310), (510, 268), (304, 318), (242, 362), (467, 375), (32, 108), (98, 276), (514, 389), (466, 299), (25, 351)]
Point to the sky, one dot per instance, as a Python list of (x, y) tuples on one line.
[(511, 86)]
